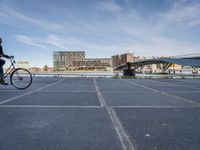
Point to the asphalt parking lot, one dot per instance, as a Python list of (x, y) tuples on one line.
[(101, 114)]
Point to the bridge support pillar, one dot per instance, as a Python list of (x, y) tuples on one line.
[(129, 71)]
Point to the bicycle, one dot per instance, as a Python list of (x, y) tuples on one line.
[(20, 78)]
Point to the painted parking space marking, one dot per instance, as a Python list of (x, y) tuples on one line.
[(123, 137), (164, 93), (16, 97)]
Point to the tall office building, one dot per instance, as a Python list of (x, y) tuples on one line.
[(64, 59), (123, 58), (75, 60), (115, 61), (127, 57)]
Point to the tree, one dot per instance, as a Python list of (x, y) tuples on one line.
[(45, 68)]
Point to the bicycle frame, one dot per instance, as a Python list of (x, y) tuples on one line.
[(16, 79), (10, 69)]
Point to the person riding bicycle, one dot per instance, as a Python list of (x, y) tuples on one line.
[(2, 62)]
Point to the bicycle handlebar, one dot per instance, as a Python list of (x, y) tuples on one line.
[(12, 59)]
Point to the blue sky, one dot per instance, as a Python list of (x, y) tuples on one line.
[(32, 29)]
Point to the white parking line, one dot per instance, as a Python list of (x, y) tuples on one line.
[(164, 93), (124, 92), (195, 88), (122, 135), (46, 106), (11, 90), (110, 107), (126, 143), (38, 84), (101, 99), (188, 81), (158, 107), (44, 91), (16, 97), (188, 92)]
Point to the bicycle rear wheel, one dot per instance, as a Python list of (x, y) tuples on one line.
[(21, 78)]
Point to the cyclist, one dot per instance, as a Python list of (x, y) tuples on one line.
[(2, 62)]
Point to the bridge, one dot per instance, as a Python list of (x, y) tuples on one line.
[(192, 60)]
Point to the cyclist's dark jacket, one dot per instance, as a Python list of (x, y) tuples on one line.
[(2, 54)]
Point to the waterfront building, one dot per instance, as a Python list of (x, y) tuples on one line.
[(75, 60), (35, 69), (23, 64), (123, 58), (141, 58), (127, 57), (65, 59), (92, 64), (106, 62), (115, 61), (175, 67)]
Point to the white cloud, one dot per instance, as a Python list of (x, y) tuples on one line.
[(31, 41), (73, 43), (15, 17), (109, 6), (184, 13), (55, 41), (127, 1), (43, 42), (167, 46), (127, 31)]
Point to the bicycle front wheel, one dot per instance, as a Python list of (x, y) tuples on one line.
[(21, 78)]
